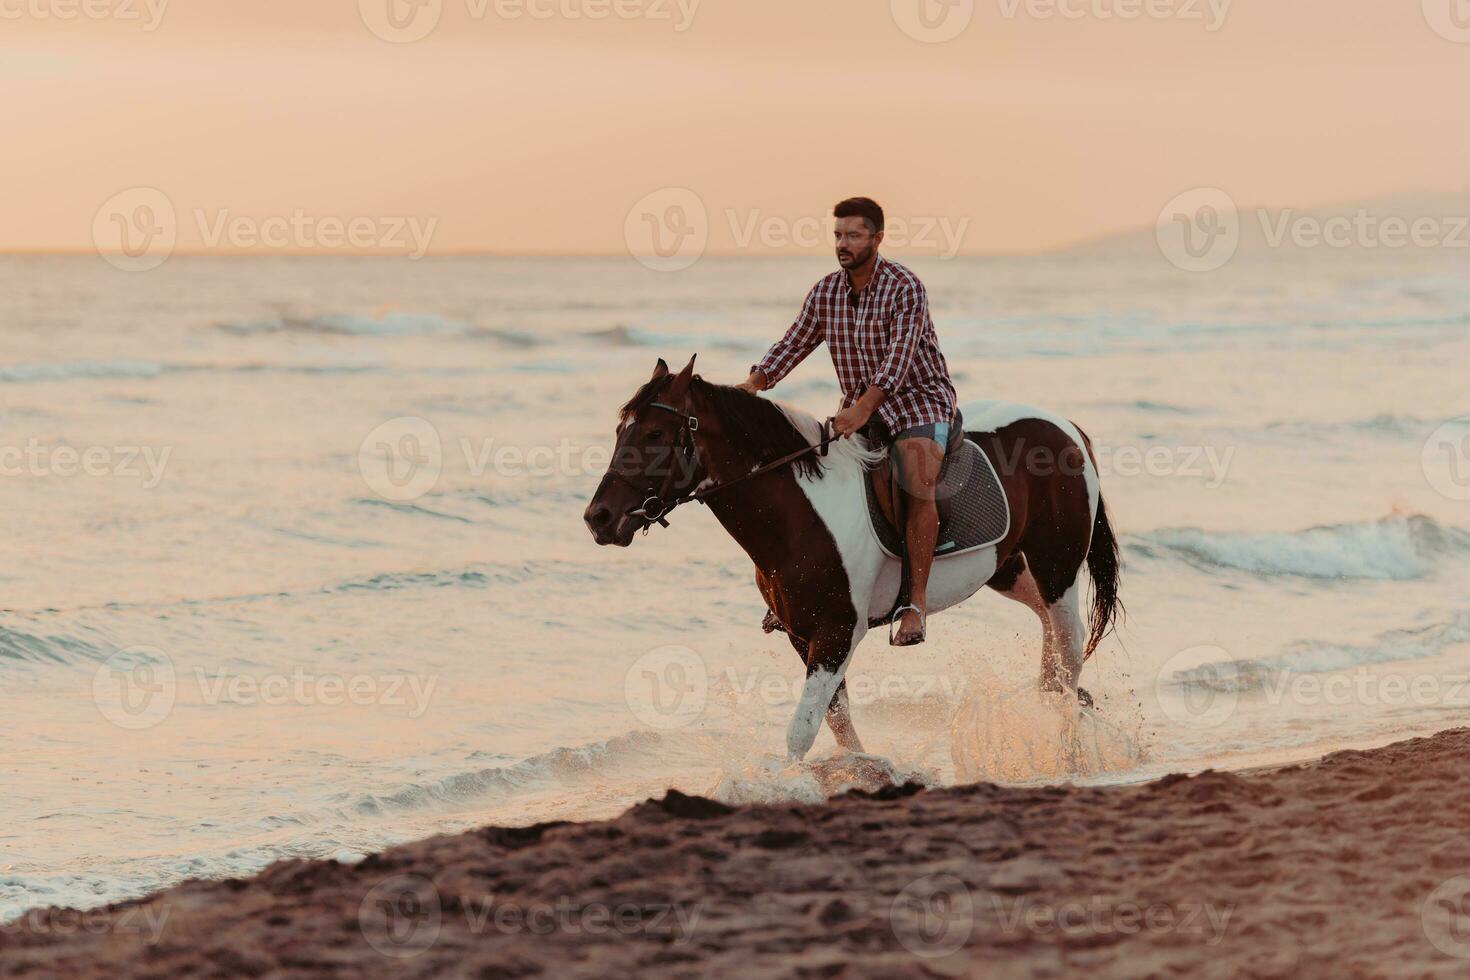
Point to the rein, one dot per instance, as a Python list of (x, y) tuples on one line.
[(656, 510)]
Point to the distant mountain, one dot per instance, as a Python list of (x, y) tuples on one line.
[(1441, 218)]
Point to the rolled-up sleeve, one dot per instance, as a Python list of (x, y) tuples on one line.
[(803, 337), (908, 327)]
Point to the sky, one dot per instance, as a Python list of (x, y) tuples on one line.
[(543, 126)]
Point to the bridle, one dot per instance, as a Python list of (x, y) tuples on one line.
[(656, 509)]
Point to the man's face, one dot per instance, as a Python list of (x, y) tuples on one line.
[(856, 242)]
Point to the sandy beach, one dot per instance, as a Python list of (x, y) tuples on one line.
[(1351, 866)]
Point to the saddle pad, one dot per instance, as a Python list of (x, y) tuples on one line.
[(973, 510)]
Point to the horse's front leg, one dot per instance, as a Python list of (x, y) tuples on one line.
[(827, 657)]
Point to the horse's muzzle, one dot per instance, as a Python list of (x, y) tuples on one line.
[(608, 528)]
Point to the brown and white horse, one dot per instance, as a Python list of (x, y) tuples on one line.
[(806, 526)]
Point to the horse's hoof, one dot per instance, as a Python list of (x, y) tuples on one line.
[(1083, 698)]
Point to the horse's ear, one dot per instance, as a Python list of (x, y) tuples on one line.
[(660, 369), (681, 381)]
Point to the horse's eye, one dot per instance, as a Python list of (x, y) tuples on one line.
[(656, 434)]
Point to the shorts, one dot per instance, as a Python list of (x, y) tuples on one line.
[(948, 435)]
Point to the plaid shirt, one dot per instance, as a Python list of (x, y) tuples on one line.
[(887, 341)]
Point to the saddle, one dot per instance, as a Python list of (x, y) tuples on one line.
[(973, 510)]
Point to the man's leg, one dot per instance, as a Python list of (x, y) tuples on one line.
[(919, 460)]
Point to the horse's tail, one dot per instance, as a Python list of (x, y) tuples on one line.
[(1103, 564)]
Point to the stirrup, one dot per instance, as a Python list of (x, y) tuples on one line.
[(918, 637)]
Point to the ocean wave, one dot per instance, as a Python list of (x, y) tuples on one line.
[(1318, 657), (556, 767), (1398, 548), (1383, 425), (23, 646), (624, 336), (353, 325), (66, 370)]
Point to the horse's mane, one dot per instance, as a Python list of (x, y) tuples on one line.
[(757, 427)]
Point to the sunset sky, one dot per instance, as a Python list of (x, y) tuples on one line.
[(516, 133)]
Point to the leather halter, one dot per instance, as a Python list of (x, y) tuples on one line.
[(655, 509)]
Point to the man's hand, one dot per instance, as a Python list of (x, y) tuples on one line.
[(850, 420), (856, 415), (753, 384)]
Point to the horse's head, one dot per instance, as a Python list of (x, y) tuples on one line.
[(654, 461)]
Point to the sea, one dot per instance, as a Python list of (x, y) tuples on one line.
[(296, 565)]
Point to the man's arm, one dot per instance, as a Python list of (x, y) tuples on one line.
[(856, 415), (800, 340)]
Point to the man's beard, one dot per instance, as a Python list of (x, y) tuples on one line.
[(855, 259)]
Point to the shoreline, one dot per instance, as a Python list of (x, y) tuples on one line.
[(1353, 864)]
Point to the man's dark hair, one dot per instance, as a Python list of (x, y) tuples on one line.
[(861, 207)]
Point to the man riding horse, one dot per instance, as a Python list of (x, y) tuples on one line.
[(874, 316)]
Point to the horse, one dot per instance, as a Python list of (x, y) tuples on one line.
[(802, 519)]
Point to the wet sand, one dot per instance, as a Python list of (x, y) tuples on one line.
[(1344, 867)]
